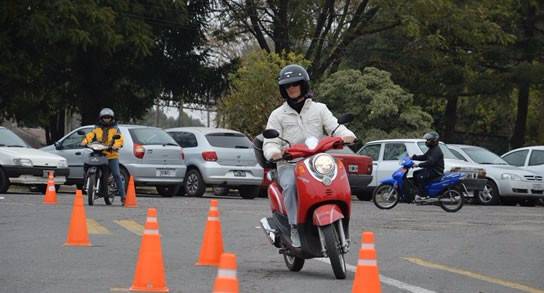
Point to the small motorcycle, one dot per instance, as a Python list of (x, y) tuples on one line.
[(447, 191), (324, 203), (99, 181)]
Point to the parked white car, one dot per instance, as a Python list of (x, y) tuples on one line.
[(386, 155), (22, 165), (505, 183), (528, 158)]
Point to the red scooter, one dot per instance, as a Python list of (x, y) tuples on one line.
[(324, 203)]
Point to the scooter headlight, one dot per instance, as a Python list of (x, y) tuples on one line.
[(324, 164)]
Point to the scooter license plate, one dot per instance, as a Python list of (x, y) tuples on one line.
[(239, 173), (166, 172)]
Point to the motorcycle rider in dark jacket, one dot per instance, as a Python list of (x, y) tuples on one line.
[(432, 166)]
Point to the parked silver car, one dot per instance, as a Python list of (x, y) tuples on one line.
[(529, 158), (218, 157), (149, 154), (505, 183)]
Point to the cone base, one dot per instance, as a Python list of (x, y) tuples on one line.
[(77, 244), (130, 206), (145, 289)]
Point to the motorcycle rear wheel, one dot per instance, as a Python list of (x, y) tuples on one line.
[(293, 263), (91, 191), (385, 197), (332, 245), (451, 200)]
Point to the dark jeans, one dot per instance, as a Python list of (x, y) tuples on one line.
[(422, 177), (114, 169)]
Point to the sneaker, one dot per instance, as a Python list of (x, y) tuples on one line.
[(420, 198), (295, 239), (122, 201)]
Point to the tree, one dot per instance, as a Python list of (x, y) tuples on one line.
[(381, 108), (84, 55), (254, 91)]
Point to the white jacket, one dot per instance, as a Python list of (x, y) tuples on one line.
[(315, 119)]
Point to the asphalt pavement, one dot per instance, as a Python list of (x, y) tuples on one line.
[(420, 248)]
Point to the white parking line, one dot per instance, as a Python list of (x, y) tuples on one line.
[(1, 197), (386, 280)]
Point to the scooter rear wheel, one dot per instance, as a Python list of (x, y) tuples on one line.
[(293, 263), (385, 197), (451, 200), (332, 245)]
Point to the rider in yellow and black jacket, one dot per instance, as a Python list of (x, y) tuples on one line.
[(103, 132)]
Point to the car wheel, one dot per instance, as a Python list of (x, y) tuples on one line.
[(509, 201), (43, 188), (527, 202), (249, 192), (167, 190), (364, 195), (490, 194), (194, 185), (4, 181)]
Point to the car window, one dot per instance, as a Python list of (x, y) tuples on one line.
[(483, 156), (516, 158), (537, 158), (394, 151), (8, 138), (73, 141), (345, 150), (372, 151), (445, 150), (229, 140), (458, 155), (185, 139), (151, 136)]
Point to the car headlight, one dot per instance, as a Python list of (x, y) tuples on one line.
[(324, 164), (62, 164), (510, 176), (23, 162)]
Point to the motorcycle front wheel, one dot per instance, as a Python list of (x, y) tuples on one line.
[(111, 190), (385, 197), (91, 191), (332, 245), (451, 200)]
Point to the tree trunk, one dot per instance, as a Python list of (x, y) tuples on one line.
[(56, 126), (281, 28), (518, 137), (450, 116)]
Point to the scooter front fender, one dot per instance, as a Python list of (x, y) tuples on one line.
[(327, 214)]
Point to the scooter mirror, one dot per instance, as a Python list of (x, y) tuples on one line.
[(81, 132), (345, 118), (271, 133)]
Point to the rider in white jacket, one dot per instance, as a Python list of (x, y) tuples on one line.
[(297, 119)]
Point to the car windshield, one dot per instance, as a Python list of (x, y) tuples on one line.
[(483, 156), (229, 140), (447, 153), (151, 136), (346, 151), (10, 139)]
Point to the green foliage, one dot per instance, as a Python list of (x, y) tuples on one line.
[(254, 91), (382, 109)]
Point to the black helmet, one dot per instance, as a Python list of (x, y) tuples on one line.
[(431, 138), (293, 73)]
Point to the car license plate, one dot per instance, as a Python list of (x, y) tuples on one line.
[(353, 168), (166, 172), (239, 173), (538, 186)]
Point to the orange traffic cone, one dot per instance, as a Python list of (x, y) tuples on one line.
[(130, 197), (77, 231), (367, 276), (149, 275), (226, 280), (212, 245), (51, 192)]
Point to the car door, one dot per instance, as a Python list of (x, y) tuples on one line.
[(374, 151), (393, 152), (536, 162), (69, 147), (189, 143)]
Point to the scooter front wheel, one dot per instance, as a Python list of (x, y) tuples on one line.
[(293, 263), (91, 190), (385, 197), (332, 245)]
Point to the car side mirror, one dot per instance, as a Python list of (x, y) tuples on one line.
[(58, 145), (345, 118), (80, 132), (271, 133)]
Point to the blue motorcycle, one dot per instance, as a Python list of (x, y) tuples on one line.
[(447, 191)]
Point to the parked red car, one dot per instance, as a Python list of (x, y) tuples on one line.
[(359, 169)]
